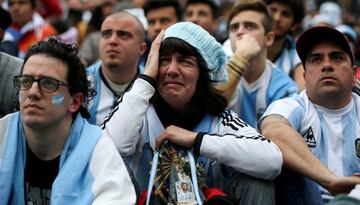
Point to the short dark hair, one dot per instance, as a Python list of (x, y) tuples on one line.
[(296, 6), (5, 19), (156, 4), (76, 75), (33, 3), (206, 94), (211, 3), (257, 6)]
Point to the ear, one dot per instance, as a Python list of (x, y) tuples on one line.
[(294, 28), (77, 100), (269, 38), (354, 69), (143, 47), (304, 73), (215, 24)]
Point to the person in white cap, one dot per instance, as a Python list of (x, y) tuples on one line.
[(175, 101), (318, 130)]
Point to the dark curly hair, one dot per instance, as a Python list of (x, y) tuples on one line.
[(76, 75), (33, 3)]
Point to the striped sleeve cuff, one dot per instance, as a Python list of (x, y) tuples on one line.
[(197, 143), (148, 79)]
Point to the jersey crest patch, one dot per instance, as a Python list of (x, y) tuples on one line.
[(310, 138), (357, 147)]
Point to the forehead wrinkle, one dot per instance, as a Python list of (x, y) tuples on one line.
[(131, 22)]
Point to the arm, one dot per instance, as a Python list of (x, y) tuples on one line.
[(245, 49), (238, 145), (298, 157), (124, 122), (299, 76), (112, 183), (235, 68)]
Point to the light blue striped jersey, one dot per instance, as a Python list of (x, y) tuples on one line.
[(330, 134), (251, 101), (288, 58)]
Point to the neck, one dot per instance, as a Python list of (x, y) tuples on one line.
[(333, 101), (275, 49), (47, 143), (119, 76), (186, 119), (256, 68)]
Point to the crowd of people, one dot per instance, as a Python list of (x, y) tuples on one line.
[(179, 102)]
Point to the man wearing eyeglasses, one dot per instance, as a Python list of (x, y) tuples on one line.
[(49, 153), (122, 43)]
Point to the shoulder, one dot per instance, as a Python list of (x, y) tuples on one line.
[(280, 81), (7, 60), (279, 77), (290, 43), (94, 67), (228, 118), (5, 123)]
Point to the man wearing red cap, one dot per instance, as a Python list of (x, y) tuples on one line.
[(318, 130)]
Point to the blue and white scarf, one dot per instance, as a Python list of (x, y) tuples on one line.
[(73, 185)]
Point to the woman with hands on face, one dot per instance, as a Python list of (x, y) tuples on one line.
[(175, 100)]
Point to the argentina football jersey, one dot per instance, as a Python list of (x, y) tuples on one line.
[(251, 100), (330, 134)]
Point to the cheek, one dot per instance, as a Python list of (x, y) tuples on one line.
[(192, 80), (58, 100)]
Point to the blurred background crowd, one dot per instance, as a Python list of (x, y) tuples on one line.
[(78, 21)]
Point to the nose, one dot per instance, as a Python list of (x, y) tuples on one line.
[(158, 26), (34, 90), (327, 65), (193, 18), (113, 38), (173, 68), (276, 15), (240, 31)]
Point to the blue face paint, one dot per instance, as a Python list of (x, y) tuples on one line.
[(57, 99)]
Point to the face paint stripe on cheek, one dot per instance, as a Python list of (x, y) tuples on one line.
[(57, 99)]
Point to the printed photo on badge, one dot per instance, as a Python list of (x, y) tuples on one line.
[(184, 192)]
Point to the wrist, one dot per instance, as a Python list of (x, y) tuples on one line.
[(238, 65)]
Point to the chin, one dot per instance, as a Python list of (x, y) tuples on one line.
[(34, 122)]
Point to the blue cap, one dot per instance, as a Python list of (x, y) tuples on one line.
[(207, 46)]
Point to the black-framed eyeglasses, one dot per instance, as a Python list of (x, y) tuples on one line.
[(46, 84)]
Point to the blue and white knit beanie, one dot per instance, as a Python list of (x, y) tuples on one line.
[(210, 50)]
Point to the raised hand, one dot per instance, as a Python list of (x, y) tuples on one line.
[(152, 63), (246, 47)]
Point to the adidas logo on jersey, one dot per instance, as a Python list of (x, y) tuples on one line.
[(310, 138)]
